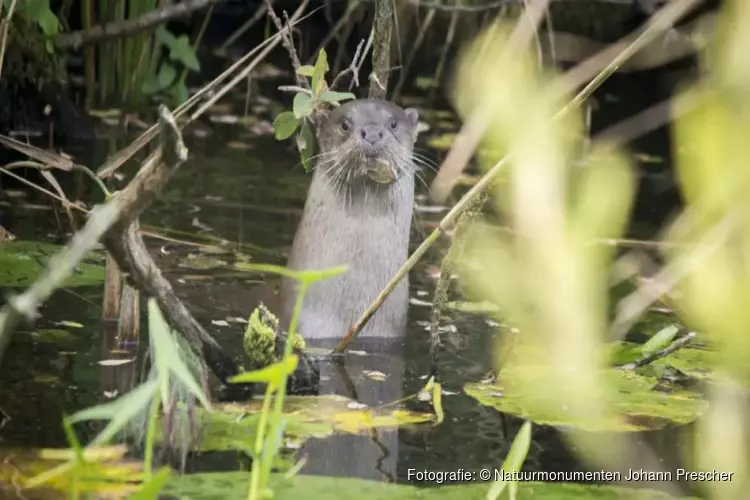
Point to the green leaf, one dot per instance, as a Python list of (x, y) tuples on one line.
[(437, 401), (182, 51), (660, 340), (302, 106), (331, 96), (164, 37), (306, 146), (284, 125), (306, 70), (48, 21), (167, 356), (318, 76), (513, 462), (271, 374), (151, 489), (306, 276), (160, 81), (119, 412), (312, 275)]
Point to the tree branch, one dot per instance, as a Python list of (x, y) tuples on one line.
[(128, 27)]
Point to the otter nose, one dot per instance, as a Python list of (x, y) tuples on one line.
[(371, 133)]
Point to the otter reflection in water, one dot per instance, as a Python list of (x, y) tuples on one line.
[(358, 212)]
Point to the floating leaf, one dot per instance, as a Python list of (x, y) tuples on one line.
[(284, 125), (437, 401), (332, 96), (636, 404), (23, 262), (221, 485)]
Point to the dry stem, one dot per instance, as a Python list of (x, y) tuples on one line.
[(660, 22)]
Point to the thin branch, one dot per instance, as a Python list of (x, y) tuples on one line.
[(288, 42), (471, 134), (382, 28), (674, 346), (661, 21), (355, 66), (129, 27), (116, 161)]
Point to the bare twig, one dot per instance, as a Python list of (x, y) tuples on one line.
[(4, 26), (288, 42), (248, 24), (355, 66), (128, 27), (674, 346), (661, 21)]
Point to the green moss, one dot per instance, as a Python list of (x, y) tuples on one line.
[(261, 337)]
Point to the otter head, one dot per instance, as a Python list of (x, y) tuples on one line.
[(368, 140)]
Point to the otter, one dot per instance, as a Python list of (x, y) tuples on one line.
[(358, 213)]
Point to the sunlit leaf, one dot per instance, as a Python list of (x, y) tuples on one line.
[(271, 374), (319, 71), (437, 401), (332, 96), (306, 70), (513, 462), (119, 412), (659, 341), (167, 356), (151, 490)]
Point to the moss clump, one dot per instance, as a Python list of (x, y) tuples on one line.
[(263, 341)]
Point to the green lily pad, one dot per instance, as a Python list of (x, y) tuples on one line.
[(222, 485), (23, 262), (232, 426), (637, 406)]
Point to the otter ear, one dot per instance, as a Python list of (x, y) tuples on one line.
[(413, 116)]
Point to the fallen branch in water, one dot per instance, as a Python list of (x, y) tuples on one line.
[(114, 223), (660, 22), (674, 346), (129, 27)]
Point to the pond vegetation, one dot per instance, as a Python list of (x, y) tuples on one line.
[(573, 314)]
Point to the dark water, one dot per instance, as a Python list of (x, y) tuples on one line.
[(253, 198)]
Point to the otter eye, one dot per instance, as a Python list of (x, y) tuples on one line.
[(346, 124), (393, 124)]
